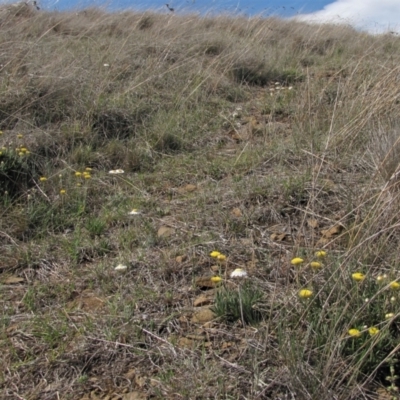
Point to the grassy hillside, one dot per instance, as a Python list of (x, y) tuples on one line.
[(274, 143)]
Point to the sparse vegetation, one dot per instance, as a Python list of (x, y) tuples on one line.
[(274, 142)]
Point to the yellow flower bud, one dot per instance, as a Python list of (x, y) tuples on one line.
[(358, 276), (296, 261), (373, 330), (354, 333), (305, 293)]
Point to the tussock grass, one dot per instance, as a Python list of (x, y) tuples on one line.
[(261, 138)]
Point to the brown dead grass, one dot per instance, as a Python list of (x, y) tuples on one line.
[(262, 138)]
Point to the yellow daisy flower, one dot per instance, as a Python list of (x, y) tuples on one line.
[(305, 293), (373, 330), (315, 265), (296, 261), (354, 333), (358, 276)]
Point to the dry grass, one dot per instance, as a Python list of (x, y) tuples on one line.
[(260, 138)]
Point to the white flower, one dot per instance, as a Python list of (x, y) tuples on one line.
[(238, 273), (116, 171), (134, 212), (121, 268)]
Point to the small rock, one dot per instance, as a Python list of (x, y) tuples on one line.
[(180, 259), (203, 300), (186, 343), (165, 231), (189, 188), (205, 282), (203, 316), (12, 280), (236, 212)]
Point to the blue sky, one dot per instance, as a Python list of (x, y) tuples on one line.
[(283, 8), (376, 16)]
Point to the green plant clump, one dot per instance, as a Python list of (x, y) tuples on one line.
[(238, 304)]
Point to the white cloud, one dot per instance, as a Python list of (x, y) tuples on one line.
[(376, 16)]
